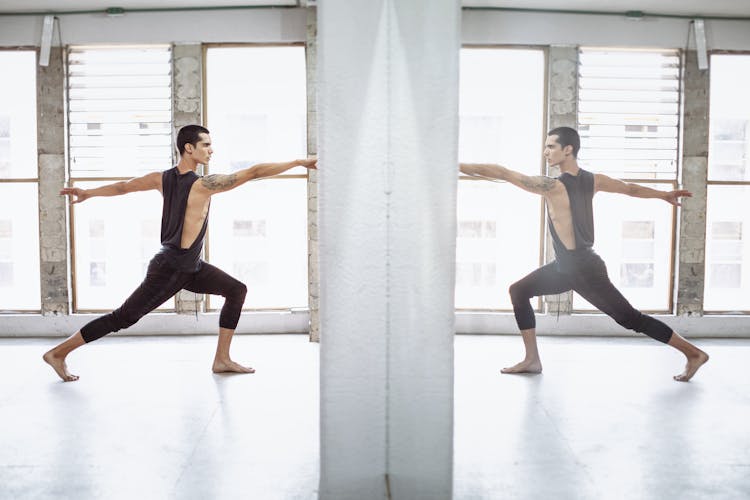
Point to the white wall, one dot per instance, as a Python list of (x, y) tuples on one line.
[(248, 25), (497, 27), (288, 25)]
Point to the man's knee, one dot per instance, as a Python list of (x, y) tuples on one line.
[(518, 292), (125, 318), (632, 320), (238, 291)]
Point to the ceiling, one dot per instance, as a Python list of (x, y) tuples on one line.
[(739, 8)]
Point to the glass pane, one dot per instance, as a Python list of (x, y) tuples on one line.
[(115, 238), (501, 118), (729, 118), (628, 112), (19, 247), (257, 112), (119, 110), (727, 283), (486, 264), (501, 121), (18, 155), (259, 236), (634, 237), (257, 106)]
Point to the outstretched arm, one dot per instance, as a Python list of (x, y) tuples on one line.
[(610, 185), (145, 183), (218, 183), (538, 184)]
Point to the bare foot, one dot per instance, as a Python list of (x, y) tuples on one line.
[(533, 366), (693, 363), (58, 364), (231, 367)]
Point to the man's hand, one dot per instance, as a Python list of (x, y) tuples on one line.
[(309, 163), (673, 197), (79, 194)]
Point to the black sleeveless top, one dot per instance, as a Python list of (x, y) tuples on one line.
[(175, 189), (580, 190)]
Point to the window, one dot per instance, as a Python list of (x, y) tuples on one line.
[(120, 116), (628, 119), (20, 287), (501, 121), (257, 112), (727, 279)]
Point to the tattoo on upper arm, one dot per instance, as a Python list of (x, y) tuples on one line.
[(539, 183), (217, 182)]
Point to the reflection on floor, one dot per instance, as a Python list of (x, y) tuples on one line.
[(149, 420)]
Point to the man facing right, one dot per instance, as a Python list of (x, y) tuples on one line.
[(577, 267)]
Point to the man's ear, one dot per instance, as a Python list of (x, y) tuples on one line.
[(568, 150)]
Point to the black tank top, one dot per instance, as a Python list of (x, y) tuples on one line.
[(175, 189), (580, 190)]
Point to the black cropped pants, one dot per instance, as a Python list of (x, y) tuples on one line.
[(584, 272), (161, 283)]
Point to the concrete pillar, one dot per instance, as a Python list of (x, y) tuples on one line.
[(562, 112), (692, 252), (388, 106), (313, 274), (187, 107), (53, 239)]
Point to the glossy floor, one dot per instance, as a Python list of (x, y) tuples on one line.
[(148, 420)]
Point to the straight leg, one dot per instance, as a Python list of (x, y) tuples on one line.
[(158, 285), (593, 284)]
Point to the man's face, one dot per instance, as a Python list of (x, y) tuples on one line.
[(202, 151), (553, 152)]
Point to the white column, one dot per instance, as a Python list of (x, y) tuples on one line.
[(388, 132)]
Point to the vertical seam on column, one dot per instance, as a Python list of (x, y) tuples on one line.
[(388, 180)]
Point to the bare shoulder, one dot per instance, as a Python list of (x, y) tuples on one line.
[(216, 183), (541, 184)]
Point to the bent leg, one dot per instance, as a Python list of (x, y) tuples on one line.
[(213, 280), (543, 281)]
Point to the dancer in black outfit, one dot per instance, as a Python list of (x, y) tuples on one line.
[(177, 265), (577, 267)]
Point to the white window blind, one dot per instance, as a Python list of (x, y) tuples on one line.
[(119, 110), (628, 114)]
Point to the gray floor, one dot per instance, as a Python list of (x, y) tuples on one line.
[(148, 420)]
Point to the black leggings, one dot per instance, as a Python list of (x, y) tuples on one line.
[(587, 276), (162, 282)]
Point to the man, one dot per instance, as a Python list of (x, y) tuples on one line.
[(577, 267), (177, 265)]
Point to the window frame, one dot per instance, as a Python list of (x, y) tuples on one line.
[(71, 179), (204, 110), (709, 183), (672, 182), (538, 304), (29, 180)]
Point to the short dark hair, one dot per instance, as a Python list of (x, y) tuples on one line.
[(189, 134), (567, 136)]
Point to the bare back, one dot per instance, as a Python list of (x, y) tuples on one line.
[(558, 207), (195, 214)]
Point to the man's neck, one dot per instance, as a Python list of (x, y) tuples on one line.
[(186, 165), (569, 167)]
